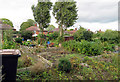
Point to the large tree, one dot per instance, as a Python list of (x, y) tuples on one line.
[(27, 24), (7, 21), (41, 13), (65, 13)]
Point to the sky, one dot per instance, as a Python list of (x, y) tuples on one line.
[(92, 14)]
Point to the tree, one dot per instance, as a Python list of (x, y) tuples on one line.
[(88, 35), (8, 34), (50, 28), (65, 13), (26, 34), (41, 14), (27, 24), (78, 36), (110, 36), (7, 21)]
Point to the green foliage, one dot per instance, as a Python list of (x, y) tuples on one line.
[(71, 29), (41, 39), (7, 21), (83, 34), (60, 39), (110, 36), (9, 45), (50, 28), (26, 43), (41, 13), (64, 65), (8, 42), (108, 47), (26, 34), (65, 13), (8, 34), (41, 36), (27, 24), (18, 40), (53, 36), (87, 35), (98, 35), (84, 47)]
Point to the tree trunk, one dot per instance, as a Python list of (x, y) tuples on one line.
[(41, 28), (61, 31)]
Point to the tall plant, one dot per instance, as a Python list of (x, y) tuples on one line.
[(41, 13), (65, 13)]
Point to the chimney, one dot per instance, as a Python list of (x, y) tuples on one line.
[(100, 30), (88, 29), (35, 24), (75, 28)]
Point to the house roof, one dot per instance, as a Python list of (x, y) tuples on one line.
[(70, 32), (56, 29), (4, 26), (33, 28)]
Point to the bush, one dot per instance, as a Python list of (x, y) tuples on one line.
[(26, 34), (108, 47), (24, 61), (41, 39), (53, 36), (64, 65), (84, 47), (83, 34), (41, 36), (88, 35), (110, 36), (18, 40), (60, 39), (9, 45), (26, 43), (38, 67)]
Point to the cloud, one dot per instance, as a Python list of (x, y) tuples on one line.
[(91, 13), (96, 11), (96, 26)]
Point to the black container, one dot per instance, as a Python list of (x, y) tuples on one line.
[(9, 64)]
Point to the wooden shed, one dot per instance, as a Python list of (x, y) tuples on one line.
[(67, 38)]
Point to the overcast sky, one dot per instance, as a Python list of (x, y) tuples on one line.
[(93, 14)]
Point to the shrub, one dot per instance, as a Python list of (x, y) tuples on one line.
[(26, 43), (41, 36), (110, 36), (41, 39), (108, 47), (84, 47), (18, 40), (64, 65), (83, 34), (88, 35), (53, 36), (9, 45), (78, 36), (38, 67), (26, 34), (60, 39), (24, 61)]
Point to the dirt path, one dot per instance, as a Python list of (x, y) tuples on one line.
[(52, 54)]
